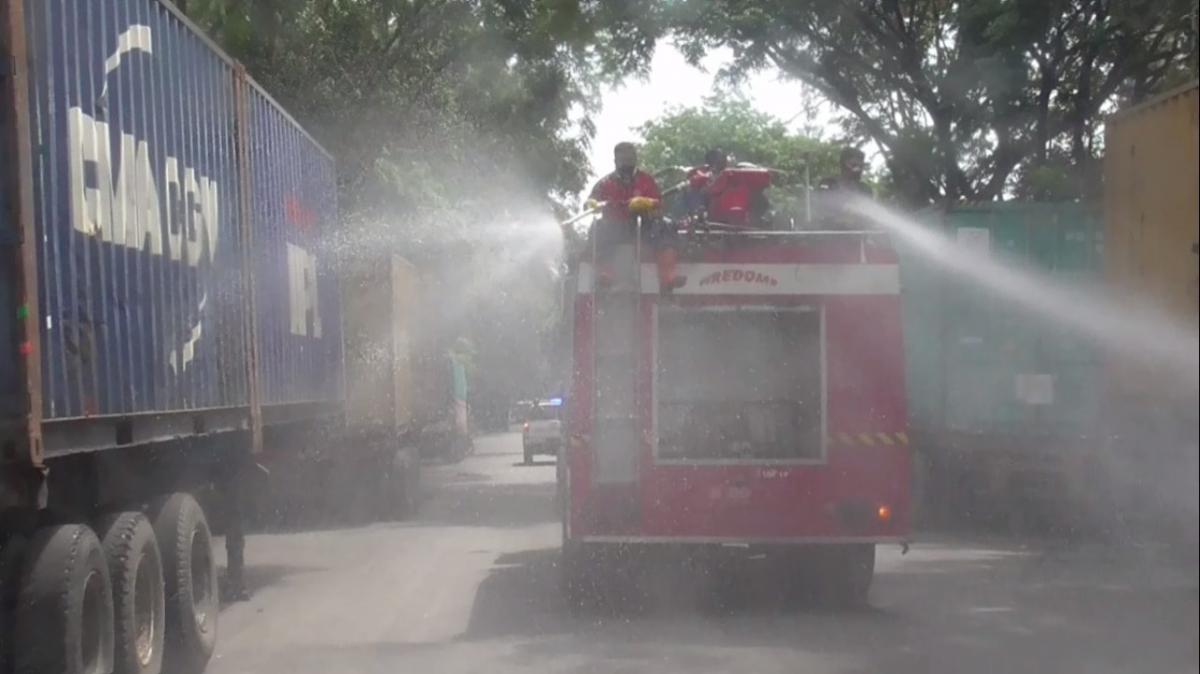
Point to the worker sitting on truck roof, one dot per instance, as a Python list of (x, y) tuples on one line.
[(850, 173), (728, 195), (623, 195), (835, 192), (737, 197), (699, 178), (614, 192)]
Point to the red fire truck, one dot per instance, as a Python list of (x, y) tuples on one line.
[(758, 407)]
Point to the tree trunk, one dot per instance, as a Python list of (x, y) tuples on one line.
[(1042, 133)]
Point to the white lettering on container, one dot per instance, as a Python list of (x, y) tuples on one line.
[(127, 213), (302, 292)]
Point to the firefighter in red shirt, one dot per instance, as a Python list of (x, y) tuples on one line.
[(728, 195), (701, 178), (623, 195)]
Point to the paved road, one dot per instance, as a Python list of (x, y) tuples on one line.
[(470, 586)]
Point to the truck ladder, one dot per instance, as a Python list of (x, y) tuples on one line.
[(616, 311)]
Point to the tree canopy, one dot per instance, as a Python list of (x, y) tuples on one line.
[(458, 124), (681, 137), (440, 112), (444, 111), (966, 99)]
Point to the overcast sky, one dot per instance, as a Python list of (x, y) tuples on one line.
[(674, 83)]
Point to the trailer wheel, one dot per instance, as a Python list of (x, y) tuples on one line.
[(190, 582), (11, 555), (135, 567), (64, 614)]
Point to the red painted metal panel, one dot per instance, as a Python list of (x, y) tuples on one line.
[(866, 458)]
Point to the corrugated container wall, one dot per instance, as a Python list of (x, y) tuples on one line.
[(979, 364), (138, 132), (297, 300), (136, 205), (1152, 210)]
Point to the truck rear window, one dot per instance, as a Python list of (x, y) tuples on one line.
[(740, 384)]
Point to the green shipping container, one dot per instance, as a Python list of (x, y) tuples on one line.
[(978, 363)]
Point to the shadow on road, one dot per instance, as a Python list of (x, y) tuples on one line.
[(1017, 612), (490, 504), (260, 576), (521, 596)]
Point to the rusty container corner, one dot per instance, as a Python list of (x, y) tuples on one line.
[(21, 455), (245, 215)]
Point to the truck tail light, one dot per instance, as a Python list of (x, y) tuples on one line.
[(884, 513)]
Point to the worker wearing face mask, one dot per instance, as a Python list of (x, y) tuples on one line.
[(836, 194), (617, 190), (623, 195)]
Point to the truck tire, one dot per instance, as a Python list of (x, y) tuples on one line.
[(190, 584), (11, 555), (587, 579), (64, 614), (411, 499), (135, 567), (577, 580), (851, 570)]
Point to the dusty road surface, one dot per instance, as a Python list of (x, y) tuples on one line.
[(470, 586)]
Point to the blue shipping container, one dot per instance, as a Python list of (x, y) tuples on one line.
[(293, 192), (170, 196)]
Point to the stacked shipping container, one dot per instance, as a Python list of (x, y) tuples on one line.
[(1003, 403), (177, 212), (1014, 416)]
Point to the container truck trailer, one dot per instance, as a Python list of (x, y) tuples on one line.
[(167, 309), (1003, 404), (1023, 422), (387, 394), (1151, 234)]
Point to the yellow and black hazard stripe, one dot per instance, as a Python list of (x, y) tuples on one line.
[(867, 439)]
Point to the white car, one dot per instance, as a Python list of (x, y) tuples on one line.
[(542, 431)]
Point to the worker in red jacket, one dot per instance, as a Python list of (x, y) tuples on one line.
[(615, 190), (700, 178), (623, 195)]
